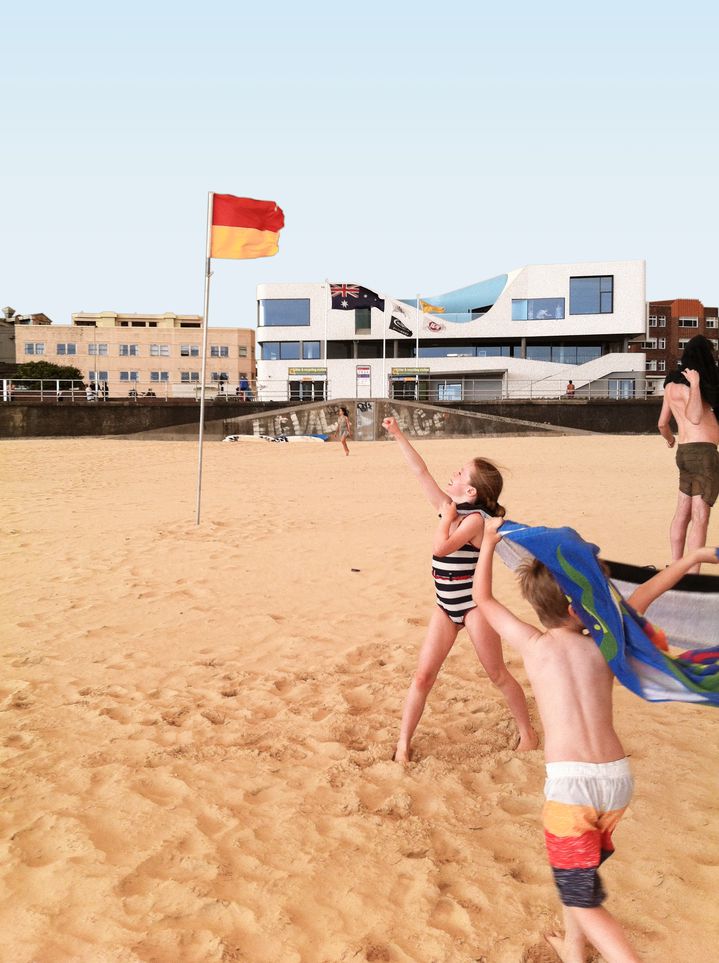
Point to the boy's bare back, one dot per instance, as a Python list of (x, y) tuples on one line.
[(572, 684)]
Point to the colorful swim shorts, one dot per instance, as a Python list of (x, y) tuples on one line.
[(698, 464), (584, 803)]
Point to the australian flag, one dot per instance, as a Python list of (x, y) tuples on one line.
[(347, 297)]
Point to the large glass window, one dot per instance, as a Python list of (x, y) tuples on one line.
[(537, 309), (563, 353), (449, 391), (283, 312), (339, 349), (311, 351), (369, 349), (591, 295), (363, 320)]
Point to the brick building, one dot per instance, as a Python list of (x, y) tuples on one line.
[(670, 325)]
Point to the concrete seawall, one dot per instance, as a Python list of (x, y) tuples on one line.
[(180, 419)]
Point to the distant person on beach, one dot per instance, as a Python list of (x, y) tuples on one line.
[(589, 782), (570, 389), (691, 395), (472, 489), (344, 429), (90, 392)]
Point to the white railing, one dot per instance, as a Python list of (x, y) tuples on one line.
[(456, 390)]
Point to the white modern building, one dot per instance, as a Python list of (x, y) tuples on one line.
[(522, 334)]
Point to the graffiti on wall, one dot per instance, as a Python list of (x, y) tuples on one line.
[(418, 421)]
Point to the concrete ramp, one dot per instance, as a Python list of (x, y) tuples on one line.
[(417, 420)]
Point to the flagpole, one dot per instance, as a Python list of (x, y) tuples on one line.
[(205, 325), (328, 301), (384, 350), (416, 351)]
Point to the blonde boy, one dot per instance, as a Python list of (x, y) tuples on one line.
[(589, 782)]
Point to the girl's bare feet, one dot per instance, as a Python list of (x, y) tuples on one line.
[(567, 954), (527, 742)]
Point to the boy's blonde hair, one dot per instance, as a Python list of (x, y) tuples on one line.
[(540, 589)]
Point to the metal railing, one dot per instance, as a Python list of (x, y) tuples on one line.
[(430, 390)]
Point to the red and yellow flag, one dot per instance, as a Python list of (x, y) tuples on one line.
[(243, 227)]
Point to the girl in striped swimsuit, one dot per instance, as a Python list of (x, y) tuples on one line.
[(472, 489)]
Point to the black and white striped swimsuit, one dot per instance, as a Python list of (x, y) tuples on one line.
[(454, 575)]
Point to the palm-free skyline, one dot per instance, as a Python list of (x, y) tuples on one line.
[(414, 148)]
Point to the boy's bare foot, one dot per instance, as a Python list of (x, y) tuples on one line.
[(567, 954), (527, 742), (401, 755)]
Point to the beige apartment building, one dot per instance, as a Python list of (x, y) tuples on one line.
[(141, 352)]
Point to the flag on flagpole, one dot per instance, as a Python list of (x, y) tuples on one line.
[(244, 228), (347, 297), (428, 308)]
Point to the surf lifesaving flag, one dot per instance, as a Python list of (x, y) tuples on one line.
[(243, 227)]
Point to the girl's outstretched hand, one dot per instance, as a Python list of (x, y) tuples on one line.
[(390, 425)]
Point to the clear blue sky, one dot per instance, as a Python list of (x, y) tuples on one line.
[(414, 147)]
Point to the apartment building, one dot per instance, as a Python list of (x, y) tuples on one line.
[(669, 327), (139, 352)]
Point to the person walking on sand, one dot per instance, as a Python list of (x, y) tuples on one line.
[(472, 489), (589, 783), (691, 395), (344, 428)]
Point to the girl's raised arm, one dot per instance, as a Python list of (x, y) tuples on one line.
[(417, 466)]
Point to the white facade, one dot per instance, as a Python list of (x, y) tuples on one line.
[(493, 339)]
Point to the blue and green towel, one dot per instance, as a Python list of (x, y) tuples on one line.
[(631, 645)]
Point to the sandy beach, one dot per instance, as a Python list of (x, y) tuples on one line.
[(197, 723)]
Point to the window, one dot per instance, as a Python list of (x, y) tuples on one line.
[(283, 312), (363, 320), (715, 343), (688, 322), (621, 387), (311, 351), (537, 309), (129, 376), (159, 376), (243, 351), (662, 344), (67, 348), (270, 351), (449, 391), (160, 350), (189, 351), (661, 365), (651, 366), (98, 349), (131, 350), (564, 353), (682, 342), (219, 351), (591, 295), (290, 350), (657, 321), (97, 376), (220, 376), (647, 345), (189, 376), (711, 322), (34, 347)]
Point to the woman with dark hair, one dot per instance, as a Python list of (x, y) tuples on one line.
[(691, 395), (344, 428)]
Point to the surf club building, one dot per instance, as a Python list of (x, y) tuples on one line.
[(527, 333)]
